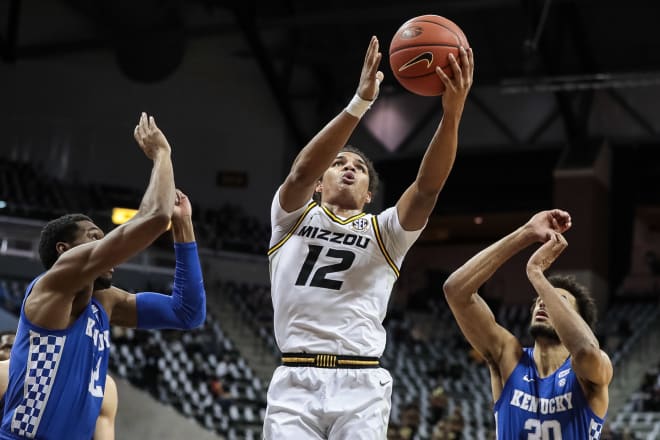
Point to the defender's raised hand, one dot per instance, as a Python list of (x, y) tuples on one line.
[(150, 138), (544, 256), (371, 77), (182, 226), (457, 87), (182, 206)]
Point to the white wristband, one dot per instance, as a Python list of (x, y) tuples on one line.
[(358, 106)]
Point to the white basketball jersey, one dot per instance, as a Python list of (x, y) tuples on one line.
[(331, 278)]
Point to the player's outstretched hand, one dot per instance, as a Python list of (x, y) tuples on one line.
[(458, 86), (150, 138), (371, 77)]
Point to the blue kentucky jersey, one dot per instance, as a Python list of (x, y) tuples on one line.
[(550, 408), (57, 378)]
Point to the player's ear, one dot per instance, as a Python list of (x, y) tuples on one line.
[(368, 197), (62, 247), (319, 187)]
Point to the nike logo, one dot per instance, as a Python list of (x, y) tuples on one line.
[(384, 383), (424, 56), (527, 379), (564, 373)]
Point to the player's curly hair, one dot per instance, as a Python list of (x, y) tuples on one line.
[(374, 180), (61, 229), (585, 302)]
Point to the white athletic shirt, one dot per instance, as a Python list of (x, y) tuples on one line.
[(331, 278)]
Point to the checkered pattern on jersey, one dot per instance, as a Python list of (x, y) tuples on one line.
[(43, 361), (594, 430)]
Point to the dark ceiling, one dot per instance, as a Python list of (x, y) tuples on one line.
[(567, 48), (512, 39)]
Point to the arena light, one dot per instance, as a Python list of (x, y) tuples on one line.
[(122, 215), (3, 204)]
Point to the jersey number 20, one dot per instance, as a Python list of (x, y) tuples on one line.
[(319, 278), (541, 430)]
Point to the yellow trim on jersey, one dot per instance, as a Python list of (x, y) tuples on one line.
[(299, 360), (329, 361), (292, 230), (381, 245), (326, 360), (336, 219), (354, 362)]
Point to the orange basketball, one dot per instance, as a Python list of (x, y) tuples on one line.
[(421, 44)]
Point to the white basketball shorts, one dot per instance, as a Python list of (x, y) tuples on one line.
[(328, 403)]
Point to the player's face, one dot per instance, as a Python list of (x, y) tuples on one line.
[(88, 232), (346, 181), (541, 325)]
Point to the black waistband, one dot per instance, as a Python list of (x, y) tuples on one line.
[(328, 361)]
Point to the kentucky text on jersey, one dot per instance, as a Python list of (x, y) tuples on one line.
[(553, 407), (334, 237), (530, 403), (101, 340)]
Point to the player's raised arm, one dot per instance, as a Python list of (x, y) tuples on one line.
[(81, 265), (589, 362), (473, 315), (186, 307), (417, 202), (318, 154)]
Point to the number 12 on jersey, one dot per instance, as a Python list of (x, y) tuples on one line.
[(319, 278)]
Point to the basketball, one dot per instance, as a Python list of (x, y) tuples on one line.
[(421, 44)]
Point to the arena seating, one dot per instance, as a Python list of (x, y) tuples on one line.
[(11, 294), (200, 373), (229, 228), (33, 194), (641, 413), (254, 304)]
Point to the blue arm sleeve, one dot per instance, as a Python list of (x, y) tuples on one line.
[(186, 307)]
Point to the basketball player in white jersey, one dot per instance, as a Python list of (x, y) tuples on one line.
[(333, 267)]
